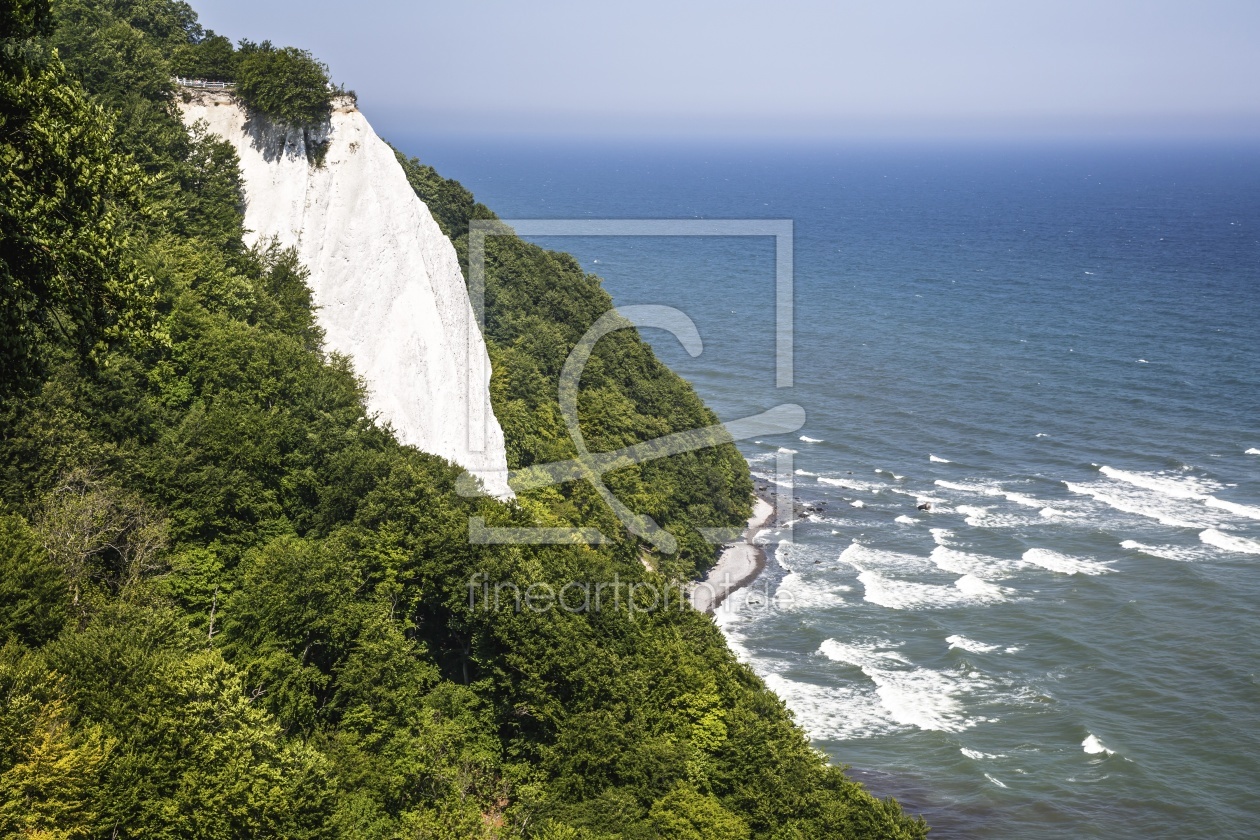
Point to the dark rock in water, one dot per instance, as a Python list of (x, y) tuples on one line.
[(925, 506)]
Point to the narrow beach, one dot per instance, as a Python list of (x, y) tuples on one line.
[(739, 564)]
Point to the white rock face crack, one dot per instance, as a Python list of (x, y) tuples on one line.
[(385, 278)]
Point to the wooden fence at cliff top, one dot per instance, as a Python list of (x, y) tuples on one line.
[(203, 84)]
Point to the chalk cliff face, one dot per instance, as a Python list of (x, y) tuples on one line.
[(387, 282)]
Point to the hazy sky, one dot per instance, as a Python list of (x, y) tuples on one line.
[(883, 66)]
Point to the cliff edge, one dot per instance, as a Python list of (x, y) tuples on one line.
[(385, 278)]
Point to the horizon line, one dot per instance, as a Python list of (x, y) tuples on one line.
[(1073, 128)]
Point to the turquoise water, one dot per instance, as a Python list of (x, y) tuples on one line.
[(1059, 350)]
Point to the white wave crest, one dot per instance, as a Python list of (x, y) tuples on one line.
[(865, 557), (783, 450), (853, 484), (973, 514), (984, 517), (897, 594), (1177, 553), (906, 520), (979, 591), (810, 439), (976, 755), (1063, 564), (797, 593), (1182, 487), (936, 460), (1093, 746), (1233, 507), (966, 488), (1021, 499), (991, 490), (995, 781), (1252, 451), (1229, 543), (920, 697), (963, 563), (1138, 506), (833, 713), (970, 645)]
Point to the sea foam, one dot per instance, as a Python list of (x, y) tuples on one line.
[(978, 565), (1143, 505), (853, 484), (991, 490), (1229, 543), (865, 557), (1179, 487), (1182, 487), (970, 645), (797, 593), (1233, 507), (985, 517), (895, 594), (1063, 564), (833, 713), (1178, 553), (920, 697), (1093, 746)]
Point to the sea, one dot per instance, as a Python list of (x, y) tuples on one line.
[(1055, 347)]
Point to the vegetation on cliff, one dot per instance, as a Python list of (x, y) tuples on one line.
[(231, 605)]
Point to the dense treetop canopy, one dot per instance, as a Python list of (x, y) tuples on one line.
[(233, 605)]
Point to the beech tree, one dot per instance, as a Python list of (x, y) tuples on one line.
[(67, 273), (232, 605), (285, 84)]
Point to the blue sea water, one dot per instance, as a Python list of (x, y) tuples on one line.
[(1058, 348)]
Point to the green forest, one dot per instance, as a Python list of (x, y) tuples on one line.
[(233, 605)]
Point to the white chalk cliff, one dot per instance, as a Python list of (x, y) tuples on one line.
[(385, 278)]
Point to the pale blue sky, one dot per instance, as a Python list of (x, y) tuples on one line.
[(881, 67)]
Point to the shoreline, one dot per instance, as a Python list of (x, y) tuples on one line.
[(739, 564)]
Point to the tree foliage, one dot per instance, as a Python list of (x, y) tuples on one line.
[(232, 605), (211, 57), (67, 272), (33, 604), (285, 84), (538, 305)]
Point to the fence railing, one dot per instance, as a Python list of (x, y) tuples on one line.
[(203, 84)]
